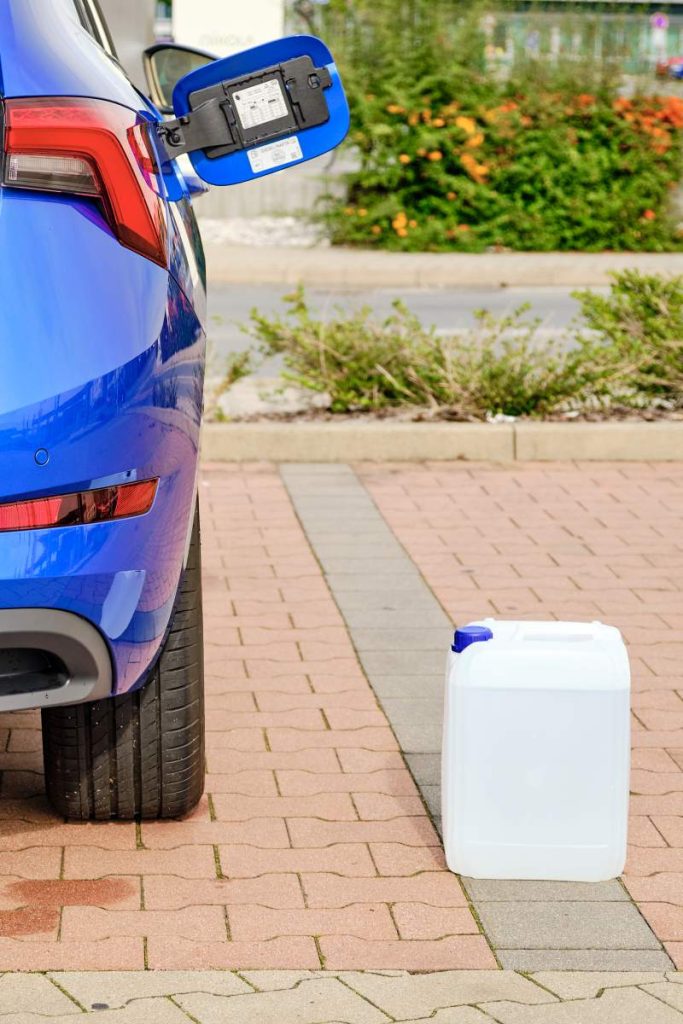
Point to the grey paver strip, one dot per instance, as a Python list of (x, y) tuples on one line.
[(578, 925), (116, 988), (616, 1006), (533, 960), (493, 891), (404, 662)]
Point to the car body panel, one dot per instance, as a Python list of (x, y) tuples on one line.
[(101, 365)]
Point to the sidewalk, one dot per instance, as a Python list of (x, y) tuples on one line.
[(330, 593), (363, 269)]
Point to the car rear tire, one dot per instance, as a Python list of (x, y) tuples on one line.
[(140, 755)]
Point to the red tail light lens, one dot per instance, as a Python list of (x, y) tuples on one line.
[(90, 148), (81, 508)]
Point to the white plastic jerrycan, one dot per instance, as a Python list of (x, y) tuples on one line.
[(536, 752)]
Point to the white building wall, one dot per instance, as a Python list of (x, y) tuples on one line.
[(132, 26), (227, 26)]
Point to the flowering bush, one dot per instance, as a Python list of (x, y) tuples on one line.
[(495, 166)]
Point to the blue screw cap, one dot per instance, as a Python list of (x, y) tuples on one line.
[(470, 635)]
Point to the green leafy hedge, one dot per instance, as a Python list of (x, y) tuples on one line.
[(544, 171), (454, 158)]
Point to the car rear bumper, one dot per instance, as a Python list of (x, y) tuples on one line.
[(49, 658)]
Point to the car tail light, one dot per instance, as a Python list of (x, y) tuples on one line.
[(79, 509), (89, 148)]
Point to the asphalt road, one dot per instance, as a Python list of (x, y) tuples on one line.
[(230, 306)]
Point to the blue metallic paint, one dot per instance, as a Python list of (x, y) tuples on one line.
[(101, 364)]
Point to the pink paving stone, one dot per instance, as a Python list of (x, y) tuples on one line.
[(466, 952), (268, 833), (327, 806), (308, 784), (279, 891), (365, 920), (418, 921), (311, 832), (437, 889), (297, 739), (289, 953), (346, 859), (399, 859), (310, 760), (93, 924), (108, 955)]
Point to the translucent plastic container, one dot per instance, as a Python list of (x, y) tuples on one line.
[(536, 752)]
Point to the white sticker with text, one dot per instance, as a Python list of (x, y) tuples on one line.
[(275, 154), (260, 104)]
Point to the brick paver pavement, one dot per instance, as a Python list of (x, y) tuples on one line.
[(312, 847), (563, 541)]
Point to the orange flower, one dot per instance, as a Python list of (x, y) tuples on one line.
[(412, 223), (401, 232), (435, 155), (399, 222), (362, 213), (394, 108), (649, 215), (464, 228), (475, 141), (349, 211), (404, 158), (438, 122), (467, 124), (451, 196), (422, 152), (621, 104), (526, 120), (413, 119), (585, 99), (478, 172), (376, 229)]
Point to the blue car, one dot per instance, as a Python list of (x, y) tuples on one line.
[(102, 348)]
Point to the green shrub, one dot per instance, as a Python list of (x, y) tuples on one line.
[(638, 354), (366, 365), (627, 351), (453, 158)]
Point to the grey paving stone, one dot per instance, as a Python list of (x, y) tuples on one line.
[(24, 993), (396, 686), (419, 638), (534, 960), (116, 988), (566, 925), (617, 1006), (374, 565), (412, 997), (588, 984), (315, 1001), (414, 709), (418, 737), (426, 768), (667, 991), (491, 891), (406, 663), (392, 618), (432, 797), (388, 584)]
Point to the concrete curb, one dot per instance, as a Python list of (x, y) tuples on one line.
[(358, 268), (422, 442)]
